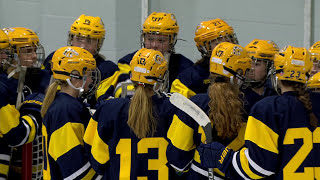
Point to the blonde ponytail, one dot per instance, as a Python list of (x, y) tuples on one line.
[(50, 95), (141, 120)]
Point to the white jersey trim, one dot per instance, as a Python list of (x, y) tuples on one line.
[(235, 165), (256, 166), (179, 169), (199, 170), (26, 136), (4, 157), (79, 172)]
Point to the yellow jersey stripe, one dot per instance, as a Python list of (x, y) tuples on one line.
[(65, 138), (106, 83), (99, 150), (267, 138), (181, 135), (10, 118), (124, 68), (179, 87), (90, 131), (33, 128), (245, 166)]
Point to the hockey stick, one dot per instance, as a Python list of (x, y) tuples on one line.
[(190, 108)]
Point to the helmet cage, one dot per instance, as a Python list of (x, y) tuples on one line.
[(171, 37), (86, 39), (24, 55), (208, 46)]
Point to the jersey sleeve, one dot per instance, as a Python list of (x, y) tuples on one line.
[(260, 156), (192, 81), (99, 132), (66, 147), (182, 141), (109, 78), (17, 129)]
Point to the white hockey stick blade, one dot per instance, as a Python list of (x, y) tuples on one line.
[(190, 108)]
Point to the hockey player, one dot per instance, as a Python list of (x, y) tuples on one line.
[(128, 142), (88, 32), (208, 35), (159, 32), (282, 134), (65, 117), (259, 83), (224, 106), (18, 128), (315, 57)]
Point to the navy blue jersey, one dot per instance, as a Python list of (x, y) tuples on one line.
[(109, 77), (177, 64), (193, 80), (185, 135), (63, 129), (117, 153), (280, 142)]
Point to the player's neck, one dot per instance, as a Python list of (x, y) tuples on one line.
[(259, 90)]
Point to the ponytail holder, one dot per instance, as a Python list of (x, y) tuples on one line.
[(141, 84)]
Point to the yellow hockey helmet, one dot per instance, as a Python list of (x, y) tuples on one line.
[(230, 60), (4, 40), (21, 38), (293, 64), (212, 32), (148, 66), (262, 49), (314, 81), (163, 24), (70, 58), (88, 27)]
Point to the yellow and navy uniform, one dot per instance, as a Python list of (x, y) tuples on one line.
[(16, 128), (185, 136), (192, 81), (115, 150), (177, 64), (63, 129), (109, 78), (280, 142)]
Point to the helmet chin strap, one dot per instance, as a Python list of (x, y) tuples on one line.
[(80, 89), (16, 70)]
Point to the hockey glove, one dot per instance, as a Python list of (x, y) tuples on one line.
[(215, 155)]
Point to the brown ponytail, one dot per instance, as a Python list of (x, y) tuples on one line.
[(304, 97), (141, 119), (226, 108)]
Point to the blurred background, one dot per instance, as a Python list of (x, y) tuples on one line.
[(287, 22)]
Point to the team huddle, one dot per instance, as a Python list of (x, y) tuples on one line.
[(85, 117)]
